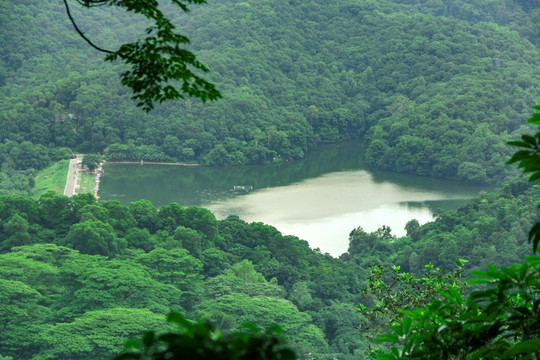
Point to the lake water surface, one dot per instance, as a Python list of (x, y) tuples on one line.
[(319, 199)]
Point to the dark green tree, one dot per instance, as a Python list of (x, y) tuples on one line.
[(189, 239), (56, 212), (93, 212), (176, 267), (91, 161), (16, 228), (140, 239), (94, 237), (120, 218), (144, 213)]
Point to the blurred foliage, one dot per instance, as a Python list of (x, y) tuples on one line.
[(199, 340), (499, 320)]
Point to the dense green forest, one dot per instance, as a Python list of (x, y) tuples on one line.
[(429, 94), (432, 88), (78, 277)]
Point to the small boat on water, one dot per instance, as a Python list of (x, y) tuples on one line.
[(243, 188)]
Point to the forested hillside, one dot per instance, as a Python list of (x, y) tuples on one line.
[(431, 95), (518, 15)]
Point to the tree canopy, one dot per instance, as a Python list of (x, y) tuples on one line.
[(425, 90)]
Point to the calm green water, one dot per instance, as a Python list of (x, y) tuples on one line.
[(319, 199)]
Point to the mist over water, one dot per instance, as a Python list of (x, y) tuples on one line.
[(325, 209), (320, 199)]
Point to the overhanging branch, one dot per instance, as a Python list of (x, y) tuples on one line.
[(81, 34), (91, 3)]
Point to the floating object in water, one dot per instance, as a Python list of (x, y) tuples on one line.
[(243, 188)]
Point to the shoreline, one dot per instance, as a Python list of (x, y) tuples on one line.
[(150, 163)]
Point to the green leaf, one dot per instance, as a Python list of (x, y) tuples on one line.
[(457, 296), (481, 274), (396, 329), (127, 356), (132, 344), (493, 271), (519, 156), (407, 325), (535, 117), (149, 338), (526, 347), (533, 260), (286, 354), (534, 176), (274, 330), (534, 235), (383, 356), (477, 281), (387, 338), (251, 327), (529, 139), (177, 318), (519, 144), (446, 296)]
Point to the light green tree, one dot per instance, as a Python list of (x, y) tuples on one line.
[(93, 283), (21, 313), (96, 334)]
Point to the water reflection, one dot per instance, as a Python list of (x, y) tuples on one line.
[(325, 209), (320, 199)]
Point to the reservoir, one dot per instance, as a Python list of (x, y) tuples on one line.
[(319, 199)]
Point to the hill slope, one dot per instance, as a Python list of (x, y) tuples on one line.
[(430, 95)]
